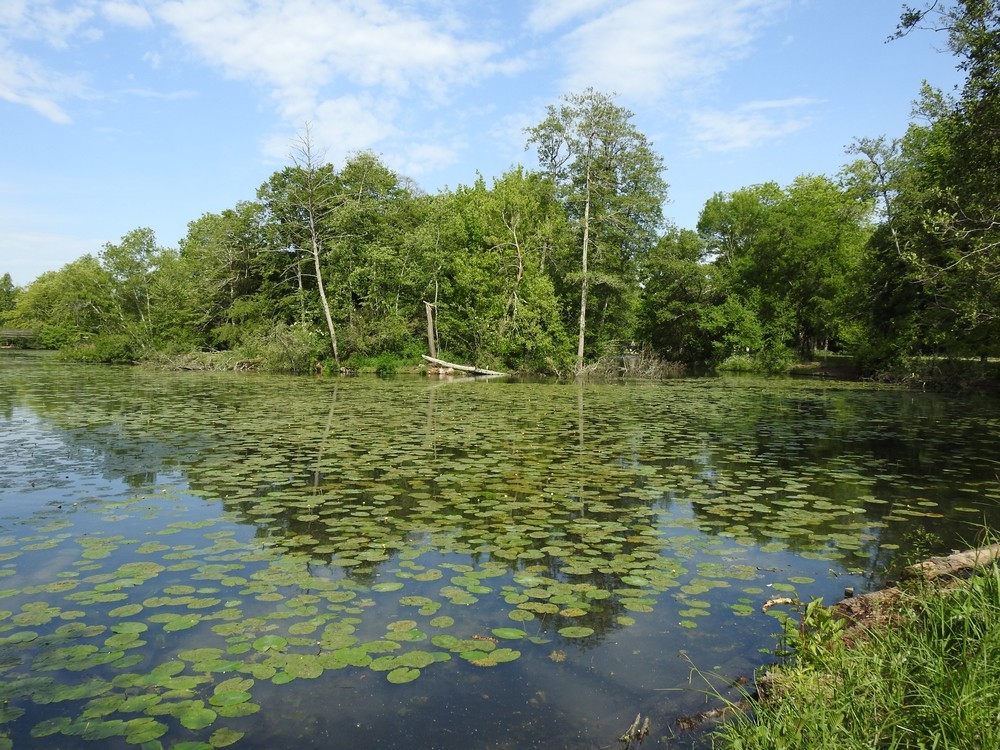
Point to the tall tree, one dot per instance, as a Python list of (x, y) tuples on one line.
[(309, 201), (131, 264), (501, 300), (8, 295), (676, 289), (611, 182), (949, 203), (786, 256), (233, 261)]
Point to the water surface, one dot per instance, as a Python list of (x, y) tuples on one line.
[(198, 560)]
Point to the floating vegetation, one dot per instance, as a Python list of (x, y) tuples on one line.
[(202, 554)]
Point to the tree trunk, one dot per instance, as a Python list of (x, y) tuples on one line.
[(430, 328), (314, 238), (584, 282), (307, 163)]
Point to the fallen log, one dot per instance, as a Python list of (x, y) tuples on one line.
[(461, 368), (950, 565)]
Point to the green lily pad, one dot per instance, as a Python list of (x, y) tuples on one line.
[(511, 634), (229, 698), (198, 718), (576, 631), (224, 737), (139, 731), (402, 675)]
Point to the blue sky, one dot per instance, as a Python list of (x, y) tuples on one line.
[(117, 114)]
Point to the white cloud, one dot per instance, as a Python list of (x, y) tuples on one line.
[(337, 128), (646, 48), (421, 159), (126, 14), (297, 49), (750, 125), (550, 14), (24, 81), (13, 12), (56, 25)]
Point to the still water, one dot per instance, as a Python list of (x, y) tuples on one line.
[(200, 560)]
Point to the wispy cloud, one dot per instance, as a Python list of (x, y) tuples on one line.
[(298, 49), (25, 82), (647, 48), (751, 124), (351, 69), (126, 14), (31, 31), (550, 14)]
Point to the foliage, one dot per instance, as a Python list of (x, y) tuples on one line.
[(931, 680), (609, 179), (284, 348), (782, 259), (677, 289), (8, 295), (815, 633), (934, 273), (108, 348), (67, 305)]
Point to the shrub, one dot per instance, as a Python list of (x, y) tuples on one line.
[(284, 348), (109, 348)]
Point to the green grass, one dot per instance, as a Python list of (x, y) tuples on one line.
[(930, 681)]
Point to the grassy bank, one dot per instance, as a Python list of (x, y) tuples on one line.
[(922, 673)]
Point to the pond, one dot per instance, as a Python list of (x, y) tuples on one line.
[(199, 560)]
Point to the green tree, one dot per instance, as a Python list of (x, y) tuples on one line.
[(131, 265), (610, 180), (784, 259), (68, 305), (8, 295), (357, 261), (676, 288), (313, 202), (239, 275), (376, 269), (501, 298), (941, 272)]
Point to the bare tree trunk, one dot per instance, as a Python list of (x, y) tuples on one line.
[(430, 328), (584, 282), (314, 239), (306, 161)]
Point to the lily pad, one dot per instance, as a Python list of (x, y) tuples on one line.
[(512, 634), (576, 631), (198, 718), (402, 675)]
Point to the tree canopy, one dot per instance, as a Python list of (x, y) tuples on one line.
[(546, 271)]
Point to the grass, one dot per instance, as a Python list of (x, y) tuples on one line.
[(930, 681)]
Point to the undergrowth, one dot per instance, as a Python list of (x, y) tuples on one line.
[(931, 681)]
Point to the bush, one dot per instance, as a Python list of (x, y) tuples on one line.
[(109, 348), (284, 348)]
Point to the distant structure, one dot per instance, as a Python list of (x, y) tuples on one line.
[(9, 334)]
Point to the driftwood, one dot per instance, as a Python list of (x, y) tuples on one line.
[(877, 607), (950, 565), (461, 368)]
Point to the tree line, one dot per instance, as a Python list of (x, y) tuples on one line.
[(893, 258)]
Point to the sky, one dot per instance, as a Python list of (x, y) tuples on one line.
[(119, 114)]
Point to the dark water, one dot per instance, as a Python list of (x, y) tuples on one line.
[(197, 560)]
